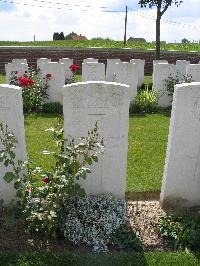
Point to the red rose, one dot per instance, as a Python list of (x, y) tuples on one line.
[(25, 82), (74, 67), (48, 76), (45, 180)]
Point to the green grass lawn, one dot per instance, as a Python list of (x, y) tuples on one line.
[(147, 147), (2, 79), (106, 44), (117, 259)]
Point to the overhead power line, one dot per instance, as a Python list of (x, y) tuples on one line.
[(52, 5), (166, 21), (88, 7)]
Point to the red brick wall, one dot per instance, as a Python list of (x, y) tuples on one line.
[(78, 54)]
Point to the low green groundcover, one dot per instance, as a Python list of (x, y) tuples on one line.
[(117, 259)]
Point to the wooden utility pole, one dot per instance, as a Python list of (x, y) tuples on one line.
[(125, 25)]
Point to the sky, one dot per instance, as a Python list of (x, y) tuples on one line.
[(20, 20)]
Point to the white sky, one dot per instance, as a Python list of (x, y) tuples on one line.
[(20, 22)]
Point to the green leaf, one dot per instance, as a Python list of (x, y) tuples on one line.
[(88, 160), (17, 185), (1, 203), (9, 177)]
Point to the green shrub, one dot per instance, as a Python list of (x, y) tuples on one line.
[(148, 87), (146, 101), (179, 79), (52, 108), (181, 232), (125, 238)]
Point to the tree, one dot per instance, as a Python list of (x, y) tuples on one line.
[(70, 35), (162, 6), (184, 40), (62, 37), (56, 36)]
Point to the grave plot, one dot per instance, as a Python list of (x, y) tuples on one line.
[(84, 104)]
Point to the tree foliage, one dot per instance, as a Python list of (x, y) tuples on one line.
[(70, 35), (162, 6), (58, 36)]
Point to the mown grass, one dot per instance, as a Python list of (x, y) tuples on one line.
[(117, 259), (146, 154), (2, 79), (105, 44)]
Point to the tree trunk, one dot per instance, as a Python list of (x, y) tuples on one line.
[(158, 33)]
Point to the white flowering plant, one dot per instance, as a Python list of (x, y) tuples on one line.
[(41, 194), (94, 220)]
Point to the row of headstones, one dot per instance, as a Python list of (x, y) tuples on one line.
[(84, 104), (130, 73), (162, 71), (108, 105)]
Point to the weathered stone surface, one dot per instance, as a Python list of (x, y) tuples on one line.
[(162, 72), (19, 61), (86, 103), (11, 114), (155, 62), (160, 62), (181, 66), (127, 73), (56, 82), (93, 72), (18, 69), (111, 69), (181, 181), (194, 71), (41, 61), (90, 60), (140, 66)]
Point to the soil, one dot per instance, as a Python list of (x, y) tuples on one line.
[(144, 216)]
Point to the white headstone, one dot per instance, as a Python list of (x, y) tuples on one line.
[(194, 71), (93, 72), (56, 82), (15, 69), (127, 73), (155, 62), (90, 60), (160, 62), (140, 65), (181, 181), (161, 73), (41, 61), (106, 103), (181, 66), (11, 114), (67, 62), (19, 61), (111, 69)]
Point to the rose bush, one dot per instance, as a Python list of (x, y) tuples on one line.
[(42, 194), (34, 90), (74, 68)]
